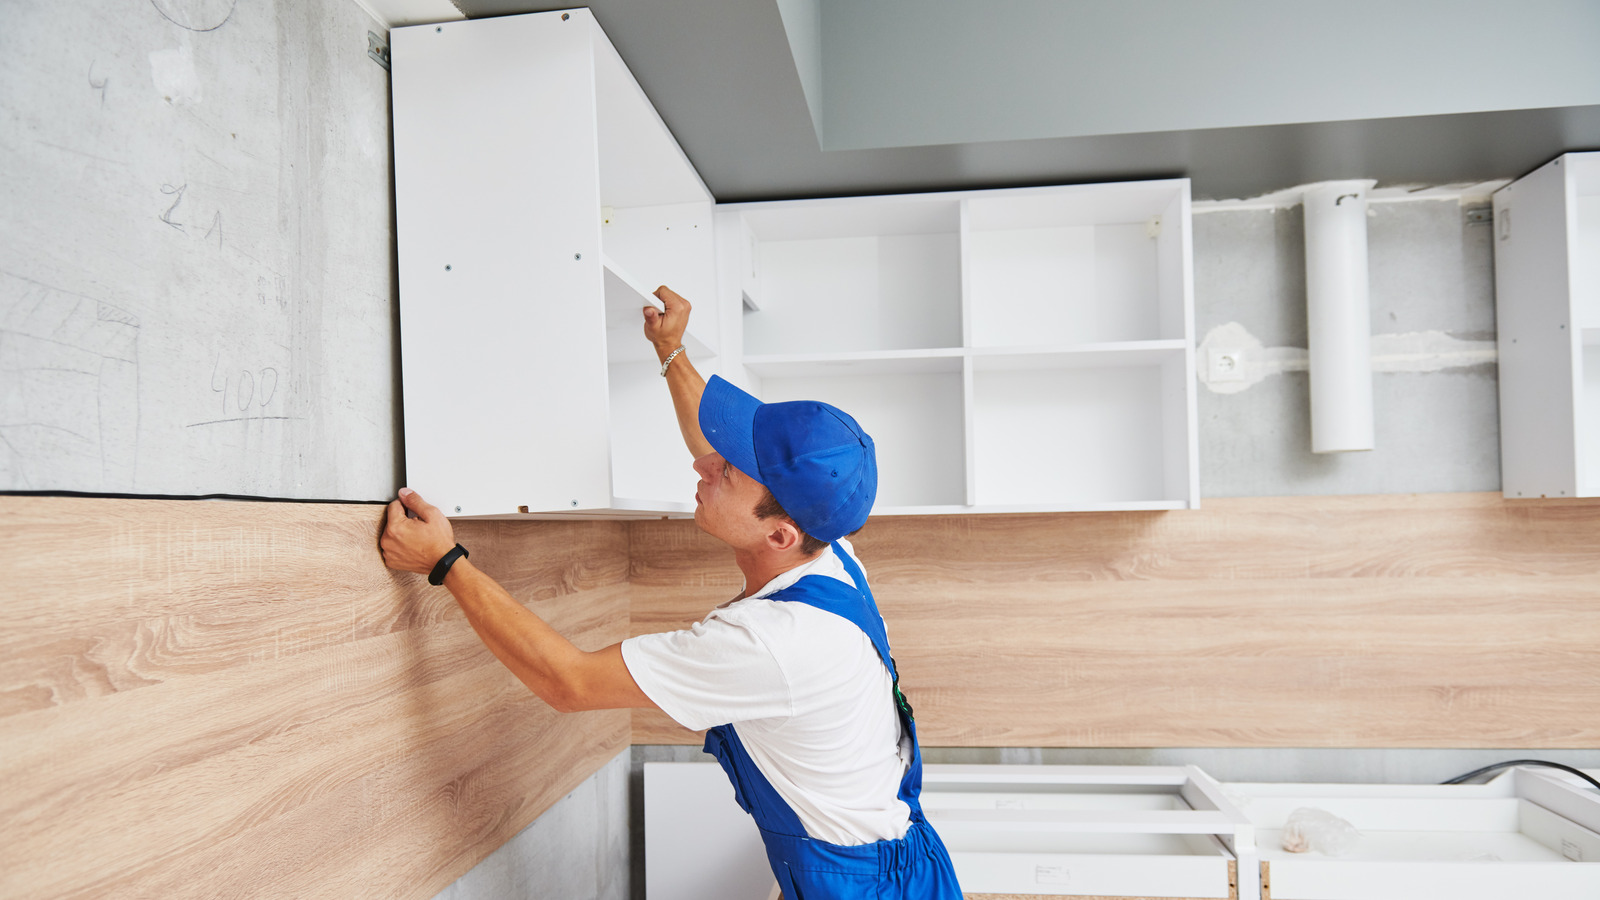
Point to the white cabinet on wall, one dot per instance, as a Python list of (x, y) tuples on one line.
[(1010, 350), (534, 185), (1547, 306)]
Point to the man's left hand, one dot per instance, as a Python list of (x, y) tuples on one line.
[(415, 543)]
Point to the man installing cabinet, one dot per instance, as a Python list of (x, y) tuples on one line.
[(792, 680)]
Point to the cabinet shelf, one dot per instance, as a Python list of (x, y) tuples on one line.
[(626, 297), (1021, 350), (1121, 353), (793, 365)]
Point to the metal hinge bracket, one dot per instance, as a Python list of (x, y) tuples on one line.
[(378, 49)]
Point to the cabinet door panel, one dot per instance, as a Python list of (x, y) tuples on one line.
[(498, 210)]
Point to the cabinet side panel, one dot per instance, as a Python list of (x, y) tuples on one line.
[(1584, 253), (1175, 259), (498, 210), (1533, 319)]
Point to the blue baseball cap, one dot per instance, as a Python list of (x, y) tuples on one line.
[(817, 462)]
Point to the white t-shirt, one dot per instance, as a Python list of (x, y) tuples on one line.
[(811, 701)]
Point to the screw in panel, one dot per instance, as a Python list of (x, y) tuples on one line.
[(1224, 365)]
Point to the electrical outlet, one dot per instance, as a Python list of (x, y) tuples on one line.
[(1224, 365)]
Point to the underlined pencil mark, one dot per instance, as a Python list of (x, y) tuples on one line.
[(248, 419), (51, 369)]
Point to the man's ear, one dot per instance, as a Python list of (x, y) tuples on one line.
[(784, 535)]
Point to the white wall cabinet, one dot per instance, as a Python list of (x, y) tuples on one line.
[(1009, 350), (1547, 307), (534, 186)]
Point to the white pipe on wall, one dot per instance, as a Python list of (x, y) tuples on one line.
[(1338, 316)]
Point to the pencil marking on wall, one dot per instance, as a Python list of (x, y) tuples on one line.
[(216, 226), (68, 387), (241, 392), (196, 15), (78, 152), (167, 216), (98, 85), (1230, 359), (248, 419)]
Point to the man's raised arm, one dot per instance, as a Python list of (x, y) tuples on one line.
[(665, 331)]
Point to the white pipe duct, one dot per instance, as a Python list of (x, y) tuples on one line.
[(1339, 316)]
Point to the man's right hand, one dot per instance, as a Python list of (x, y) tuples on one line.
[(665, 329)]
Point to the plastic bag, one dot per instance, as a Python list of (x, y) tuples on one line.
[(1309, 828)]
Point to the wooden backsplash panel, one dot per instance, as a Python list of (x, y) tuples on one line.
[(1445, 620), (206, 699)]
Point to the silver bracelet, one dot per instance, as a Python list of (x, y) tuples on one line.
[(670, 358)]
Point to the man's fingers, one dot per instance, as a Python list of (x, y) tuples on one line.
[(670, 299), (414, 502)]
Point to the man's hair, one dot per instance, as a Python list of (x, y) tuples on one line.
[(770, 508)]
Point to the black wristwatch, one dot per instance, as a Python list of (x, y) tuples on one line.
[(442, 567)]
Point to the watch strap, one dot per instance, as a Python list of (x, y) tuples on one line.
[(442, 567)]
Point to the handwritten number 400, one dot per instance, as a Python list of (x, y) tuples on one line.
[(249, 385)]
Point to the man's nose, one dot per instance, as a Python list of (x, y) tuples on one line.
[(706, 465)]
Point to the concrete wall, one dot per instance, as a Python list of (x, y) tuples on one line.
[(577, 849), (1435, 398), (196, 291)]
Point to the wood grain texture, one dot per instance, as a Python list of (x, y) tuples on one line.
[(1446, 620), (238, 699)]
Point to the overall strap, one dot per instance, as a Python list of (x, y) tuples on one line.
[(863, 612), (871, 622)]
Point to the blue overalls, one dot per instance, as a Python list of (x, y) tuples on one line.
[(915, 867)]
